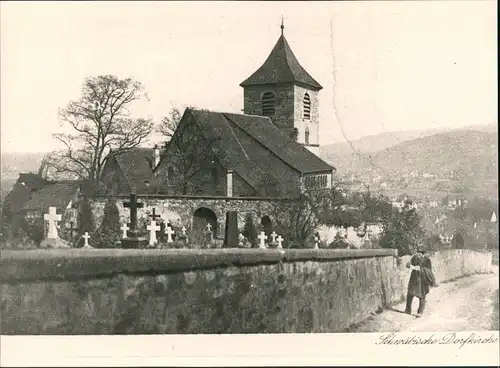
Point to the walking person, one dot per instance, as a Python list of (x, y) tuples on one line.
[(421, 280)]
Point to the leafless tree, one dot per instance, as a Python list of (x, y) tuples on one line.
[(100, 125)]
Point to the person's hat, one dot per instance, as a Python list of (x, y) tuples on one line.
[(421, 249)]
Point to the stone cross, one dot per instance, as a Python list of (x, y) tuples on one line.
[(316, 241), (262, 237), (280, 240), (209, 228), (184, 231), (52, 217), (154, 215), (274, 235), (86, 237), (124, 229), (133, 205), (169, 232), (153, 228)]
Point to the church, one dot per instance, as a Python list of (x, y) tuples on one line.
[(271, 150)]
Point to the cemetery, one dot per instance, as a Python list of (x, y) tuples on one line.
[(146, 290)]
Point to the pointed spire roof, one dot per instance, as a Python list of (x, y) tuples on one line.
[(281, 66)]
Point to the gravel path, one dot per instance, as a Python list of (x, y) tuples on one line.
[(467, 304)]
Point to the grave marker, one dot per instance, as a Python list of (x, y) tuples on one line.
[(86, 238), (133, 239), (124, 229), (169, 233), (262, 237), (52, 217), (153, 228), (280, 240)]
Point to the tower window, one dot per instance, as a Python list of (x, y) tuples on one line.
[(268, 104), (307, 106), (307, 136)]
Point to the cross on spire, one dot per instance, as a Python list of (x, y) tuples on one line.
[(282, 25)]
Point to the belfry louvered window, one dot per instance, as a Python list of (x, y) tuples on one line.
[(307, 106), (268, 104)]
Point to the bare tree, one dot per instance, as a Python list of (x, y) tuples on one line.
[(169, 123), (101, 126)]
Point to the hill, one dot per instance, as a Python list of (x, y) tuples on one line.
[(342, 156), (462, 153)]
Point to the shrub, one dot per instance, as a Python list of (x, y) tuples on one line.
[(339, 242), (85, 218), (249, 230)]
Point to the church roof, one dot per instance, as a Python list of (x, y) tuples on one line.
[(57, 195), (265, 133), (281, 66), (136, 166), (230, 152)]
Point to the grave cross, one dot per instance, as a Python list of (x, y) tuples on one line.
[(262, 237), (86, 237), (274, 235), (184, 231), (153, 228), (280, 240), (52, 217), (169, 233), (154, 215), (124, 229), (209, 227), (133, 205)]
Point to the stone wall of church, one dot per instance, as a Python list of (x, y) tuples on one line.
[(179, 210), (285, 103), (301, 124)]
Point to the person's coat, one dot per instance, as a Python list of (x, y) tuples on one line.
[(421, 279)]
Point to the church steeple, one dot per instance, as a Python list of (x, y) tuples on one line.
[(284, 91)]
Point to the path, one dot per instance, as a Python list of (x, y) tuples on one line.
[(470, 303)]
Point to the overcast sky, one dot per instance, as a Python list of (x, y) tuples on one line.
[(384, 66)]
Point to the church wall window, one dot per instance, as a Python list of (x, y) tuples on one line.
[(170, 175), (307, 106), (307, 136), (268, 104), (316, 181)]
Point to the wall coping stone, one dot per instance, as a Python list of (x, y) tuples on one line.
[(201, 197), (18, 266)]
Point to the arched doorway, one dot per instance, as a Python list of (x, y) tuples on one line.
[(267, 225), (203, 216)]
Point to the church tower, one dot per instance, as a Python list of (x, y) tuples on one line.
[(283, 90)]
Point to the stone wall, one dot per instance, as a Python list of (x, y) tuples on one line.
[(209, 291), (179, 210)]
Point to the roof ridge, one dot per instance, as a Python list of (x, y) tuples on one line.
[(262, 143)]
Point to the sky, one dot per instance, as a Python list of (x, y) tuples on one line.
[(384, 66)]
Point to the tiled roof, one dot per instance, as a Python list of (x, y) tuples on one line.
[(278, 142), (136, 166), (229, 150), (21, 192), (281, 66), (56, 195)]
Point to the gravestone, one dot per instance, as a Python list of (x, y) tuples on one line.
[(231, 233), (262, 237), (52, 240), (134, 238), (153, 228)]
